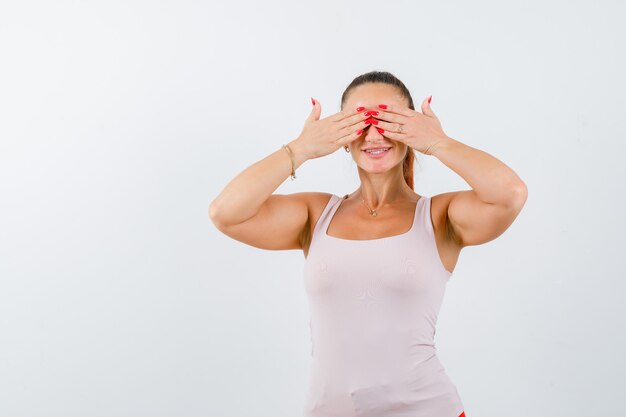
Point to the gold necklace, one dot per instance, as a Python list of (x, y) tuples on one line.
[(373, 212)]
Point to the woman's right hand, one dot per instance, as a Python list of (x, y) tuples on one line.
[(322, 137)]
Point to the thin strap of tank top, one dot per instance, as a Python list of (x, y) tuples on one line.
[(320, 226)]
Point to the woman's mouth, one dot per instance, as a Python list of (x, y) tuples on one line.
[(377, 153)]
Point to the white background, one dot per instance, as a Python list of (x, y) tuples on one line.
[(121, 120)]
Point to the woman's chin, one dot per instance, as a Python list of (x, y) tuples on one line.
[(376, 167)]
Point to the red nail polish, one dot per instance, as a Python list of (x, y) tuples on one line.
[(360, 108), (381, 131), (429, 98), (312, 101), (368, 121), (382, 106), (373, 113), (358, 132), (374, 122)]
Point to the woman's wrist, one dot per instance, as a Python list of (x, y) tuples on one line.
[(298, 152), (440, 145)]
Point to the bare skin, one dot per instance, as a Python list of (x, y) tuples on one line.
[(382, 186), (353, 221), (248, 211)]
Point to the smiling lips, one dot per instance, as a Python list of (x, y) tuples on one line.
[(377, 152)]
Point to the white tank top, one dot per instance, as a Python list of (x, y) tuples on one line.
[(373, 314)]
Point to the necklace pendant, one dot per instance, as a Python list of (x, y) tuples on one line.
[(374, 213)]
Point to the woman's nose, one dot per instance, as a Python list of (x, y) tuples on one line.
[(371, 133)]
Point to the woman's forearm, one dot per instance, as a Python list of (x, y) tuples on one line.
[(491, 179), (244, 195)]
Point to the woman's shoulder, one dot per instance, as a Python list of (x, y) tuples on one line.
[(316, 201)]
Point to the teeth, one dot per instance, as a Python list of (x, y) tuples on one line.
[(377, 151)]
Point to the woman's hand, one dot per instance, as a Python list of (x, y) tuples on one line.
[(322, 137), (421, 132)]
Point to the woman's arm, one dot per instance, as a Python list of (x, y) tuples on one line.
[(248, 211), (497, 196), (243, 195)]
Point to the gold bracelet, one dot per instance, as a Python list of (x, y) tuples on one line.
[(293, 171)]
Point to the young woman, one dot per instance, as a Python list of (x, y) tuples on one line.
[(377, 260)]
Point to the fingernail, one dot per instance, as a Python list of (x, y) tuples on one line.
[(312, 101), (382, 106), (358, 132), (429, 98), (380, 130), (360, 108)]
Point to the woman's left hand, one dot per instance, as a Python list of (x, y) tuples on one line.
[(420, 131)]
